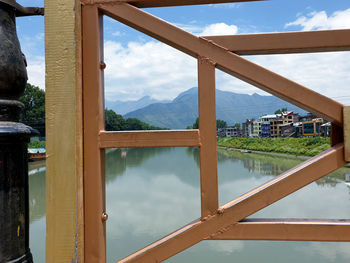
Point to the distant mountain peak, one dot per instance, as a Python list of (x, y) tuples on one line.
[(147, 97), (230, 107)]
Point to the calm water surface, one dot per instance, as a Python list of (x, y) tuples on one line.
[(152, 192)]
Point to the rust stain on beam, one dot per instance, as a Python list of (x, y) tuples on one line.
[(227, 61), (140, 139), (238, 209), (164, 3), (285, 43), (288, 230)]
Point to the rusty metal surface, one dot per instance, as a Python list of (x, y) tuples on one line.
[(140, 139), (285, 43), (227, 61), (207, 127), (163, 3), (289, 230), (93, 104)]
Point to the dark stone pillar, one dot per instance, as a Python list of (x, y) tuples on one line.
[(14, 206), (14, 138)]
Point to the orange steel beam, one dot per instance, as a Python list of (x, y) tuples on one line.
[(284, 43), (207, 128), (93, 101), (140, 139), (346, 133), (226, 61), (233, 212), (337, 134), (288, 230), (163, 3)]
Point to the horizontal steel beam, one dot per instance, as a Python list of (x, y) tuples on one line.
[(284, 43), (163, 3), (288, 230), (141, 139), (227, 61), (233, 212)]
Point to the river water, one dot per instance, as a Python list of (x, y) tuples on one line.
[(152, 192)]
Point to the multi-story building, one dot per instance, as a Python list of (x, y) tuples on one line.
[(313, 127), (275, 127), (265, 129), (229, 132), (287, 130), (266, 124), (267, 118), (257, 128), (287, 117), (326, 129), (280, 120), (248, 128)]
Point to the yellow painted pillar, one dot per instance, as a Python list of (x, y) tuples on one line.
[(64, 188)]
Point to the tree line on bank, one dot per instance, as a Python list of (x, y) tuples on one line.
[(33, 114), (116, 122), (219, 124)]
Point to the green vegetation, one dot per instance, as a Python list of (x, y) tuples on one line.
[(280, 164), (116, 122), (279, 111), (219, 124), (37, 144), (293, 146), (33, 113)]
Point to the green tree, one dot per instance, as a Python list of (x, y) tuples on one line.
[(220, 124), (238, 125), (196, 124), (114, 122), (132, 124), (279, 111), (33, 113)]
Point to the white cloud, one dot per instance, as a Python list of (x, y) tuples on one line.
[(36, 71), (153, 68), (150, 68), (321, 21), (219, 29), (117, 34), (326, 73), (212, 29)]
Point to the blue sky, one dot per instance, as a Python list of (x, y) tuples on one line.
[(159, 69)]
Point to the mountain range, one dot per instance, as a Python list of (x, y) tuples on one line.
[(183, 110), (123, 107)]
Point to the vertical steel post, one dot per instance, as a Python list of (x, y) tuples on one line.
[(14, 138)]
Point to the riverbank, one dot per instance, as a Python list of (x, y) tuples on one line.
[(287, 147), (303, 157)]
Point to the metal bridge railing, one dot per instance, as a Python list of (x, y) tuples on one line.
[(222, 52)]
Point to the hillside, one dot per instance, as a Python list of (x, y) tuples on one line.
[(123, 107), (231, 107)]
